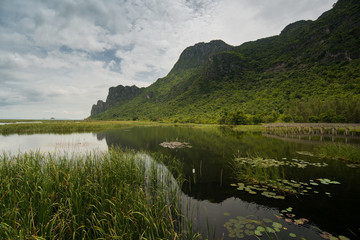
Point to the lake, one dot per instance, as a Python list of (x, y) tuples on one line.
[(329, 200)]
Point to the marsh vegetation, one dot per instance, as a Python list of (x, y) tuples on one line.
[(99, 195)]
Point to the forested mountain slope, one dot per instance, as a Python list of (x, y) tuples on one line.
[(308, 73)]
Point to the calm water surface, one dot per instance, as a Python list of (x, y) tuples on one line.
[(210, 200)]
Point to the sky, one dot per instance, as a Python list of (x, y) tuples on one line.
[(57, 58)]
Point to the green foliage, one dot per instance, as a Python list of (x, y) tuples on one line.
[(330, 109), (286, 118), (234, 118)]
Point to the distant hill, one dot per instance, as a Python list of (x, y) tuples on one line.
[(308, 73)]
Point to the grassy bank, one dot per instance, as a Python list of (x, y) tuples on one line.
[(113, 195), (66, 126), (29, 127)]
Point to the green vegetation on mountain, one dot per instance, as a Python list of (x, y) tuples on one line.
[(308, 73)]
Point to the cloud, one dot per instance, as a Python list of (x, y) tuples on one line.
[(60, 57)]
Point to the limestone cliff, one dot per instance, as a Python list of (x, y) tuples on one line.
[(117, 95)]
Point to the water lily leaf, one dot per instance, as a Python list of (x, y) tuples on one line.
[(298, 222), (240, 235), (289, 209), (333, 238), (250, 226), (233, 220), (326, 235), (288, 220), (226, 214), (292, 235), (260, 229), (279, 197), (304, 220), (270, 230), (267, 220), (249, 232), (232, 235), (233, 185), (277, 225), (258, 233)]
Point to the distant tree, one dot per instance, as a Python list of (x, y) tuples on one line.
[(313, 119)]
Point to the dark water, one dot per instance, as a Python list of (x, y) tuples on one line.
[(212, 203)]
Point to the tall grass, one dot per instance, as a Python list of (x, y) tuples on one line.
[(257, 175), (112, 195), (340, 151)]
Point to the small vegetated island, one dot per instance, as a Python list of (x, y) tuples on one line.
[(308, 73)]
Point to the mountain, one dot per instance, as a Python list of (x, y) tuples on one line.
[(308, 73)]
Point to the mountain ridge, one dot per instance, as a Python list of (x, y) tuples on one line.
[(261, 81)]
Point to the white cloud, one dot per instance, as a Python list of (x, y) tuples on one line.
[(60, 57)]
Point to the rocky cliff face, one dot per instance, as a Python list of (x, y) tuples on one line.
[(119, 94), (198, 54), (98, 108)]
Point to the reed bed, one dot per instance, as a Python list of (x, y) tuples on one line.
[(29, 127), (344, 152), (111, 195)]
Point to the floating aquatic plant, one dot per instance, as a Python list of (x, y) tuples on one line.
[(240, 226), (267, 163), (305, 153), (175, 145), (353, 165)]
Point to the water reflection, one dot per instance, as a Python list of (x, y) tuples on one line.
[(77, 143)]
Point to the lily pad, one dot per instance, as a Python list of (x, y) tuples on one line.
[(260, 229), (293, 235), (249, 232), (267, 220), (258, 233), (277, 225), (250, 226), (289, 209)]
